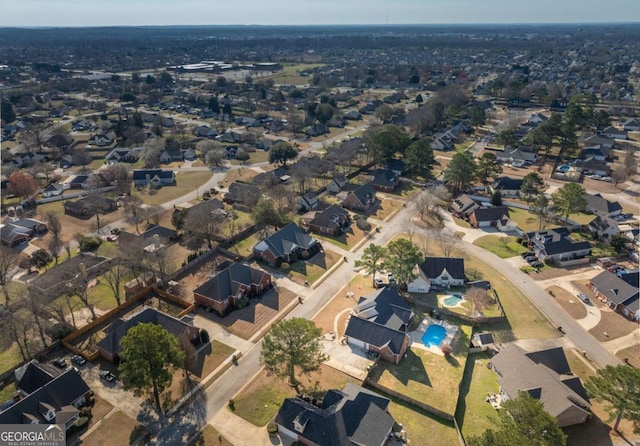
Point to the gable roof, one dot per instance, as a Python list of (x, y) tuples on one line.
[(240, 192), (385, 307), (328, 218), (517, 154), (597, 203), (227, 282), (286, 240), (622, 289), (493, 213), (538, 374), (116, 331), (59, 392), (385, 178), (352, 417), (432, 267), (141, 174), (507, 183), (375, 334), (364, 192)]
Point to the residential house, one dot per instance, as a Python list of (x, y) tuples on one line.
[(555, 244), (331, 221), (242, 193), (614, 133), (538, 118), (631, 125), (494, 217), (352, 115), (189, 154), (590, 166), (317, 130), (516, 157), (110, 348), (170, 155), (397, 166), (123, 155), (308, 201), (46, 396), (603, 141), (438, 272), (88, 206), (602, 207), (32, 226), (378, 323), (546, 376), (78, 182), (153, 239), (597, 152), (605, 227), (81, 126), (362, 199), (385, 180), (337, 184), (619, 291), (52, 190), (463, 205), (286, 245), (204, 131), (231, 287), (153, 177), (443, 142), (271, 177), (11, 235), (353, 416), (508, 187), (100, 140)]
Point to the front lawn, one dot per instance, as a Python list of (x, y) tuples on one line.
[(347, 240), (427, 377), (473, 414), (259, 402), (312, 269), (185, 182), (117, 429), (504, 247), (209, 437), (386, 208)]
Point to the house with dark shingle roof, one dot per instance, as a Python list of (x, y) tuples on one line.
[(243, 194), (385, 180), (361, 199), (491, 217), (516, 157), (612, 132), (88, 206), (235, 283), (546, 376), (11, 235), (153, 177), (555, 244), (379, 324), (332, 221), (286, 245), (508, 187), (619, 291), (353, 416), (440, 272), (110, 348), (46, 396), (602, 207), (604, 227)]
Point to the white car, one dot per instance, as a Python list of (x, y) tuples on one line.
[(595, 177), (607, 179)]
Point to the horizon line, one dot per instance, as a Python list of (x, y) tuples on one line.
[(384, 25)]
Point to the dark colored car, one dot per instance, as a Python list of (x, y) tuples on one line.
[(60, 362), (527, 254), (531, 259), (107, 376), (78, 360), (537, 264)]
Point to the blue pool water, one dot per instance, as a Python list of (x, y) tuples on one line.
[(434, 335), (564, 168), (452, 301)]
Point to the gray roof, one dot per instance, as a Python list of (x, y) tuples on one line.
[(327, 218), (141, 174), (375, 334), (286, 240), (227, 282), (542, 374), (432, 267), (507, 183), (385, 307), (385, 178), (597, 203), (494, 213), (364, 192), (352, 417), (556, 241), (59, 392), (622, 289), (116, 331), (517, 154)]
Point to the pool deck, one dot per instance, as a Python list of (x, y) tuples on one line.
[(446, 296), (416, 336)]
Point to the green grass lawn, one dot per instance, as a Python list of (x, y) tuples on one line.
[(117, 429), (10, 358), (427, 377), (386, 208), (185, 182), (581, 218), (6, 393), (245, 246), (209, 437), (243, 220), (504, 247), (259, 156), (473, 414), (420, 424), (347, 239), (524, 219)]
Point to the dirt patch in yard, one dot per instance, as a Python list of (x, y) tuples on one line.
[(630, 354), (612, 325), (552, 273), (116, 429), (570, 303)]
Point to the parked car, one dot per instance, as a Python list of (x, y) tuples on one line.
[(60, 363), (390, 278), (107, 376), (79, 360), (607, 179), (112, 238), (531, 259), (527, 254), (583, 297), (378, 283), (615, 268), (537, 264), (595, 177)]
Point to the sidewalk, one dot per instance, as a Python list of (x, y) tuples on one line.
[(623, 342)]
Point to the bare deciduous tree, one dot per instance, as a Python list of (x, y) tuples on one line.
[(8, 268), (447, 242), (115, 277), (479, 300)]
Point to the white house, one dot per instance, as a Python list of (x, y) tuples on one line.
[(438, 272)]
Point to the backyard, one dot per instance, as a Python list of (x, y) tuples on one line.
[(426, 377), (312, 269), (421, 424), (185, 182)]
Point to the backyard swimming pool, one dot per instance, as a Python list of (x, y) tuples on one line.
[(434, 335), (453, 300), (564, 168)]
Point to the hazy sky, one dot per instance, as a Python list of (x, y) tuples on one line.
[(304, 12)]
